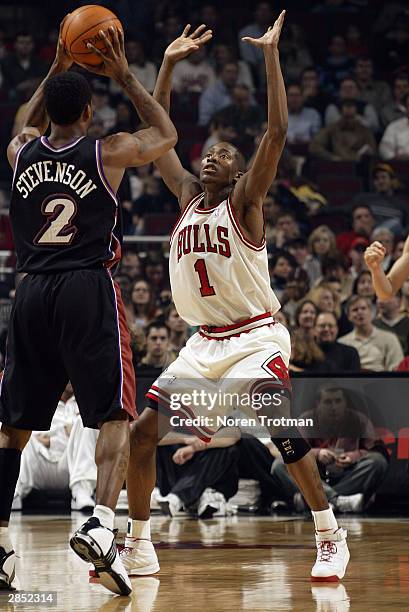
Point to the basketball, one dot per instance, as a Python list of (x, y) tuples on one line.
[(83, 27)]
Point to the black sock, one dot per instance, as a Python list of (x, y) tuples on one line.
[(9, 470)]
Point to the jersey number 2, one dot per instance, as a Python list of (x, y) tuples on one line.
[(58, 229), (206, 288)]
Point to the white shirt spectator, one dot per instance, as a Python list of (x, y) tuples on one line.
[(369, 117), (191, 77), (145, 74), (303, 126), (395, 141), (379, 352)]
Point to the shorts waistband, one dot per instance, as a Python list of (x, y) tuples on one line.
[(220, 333)]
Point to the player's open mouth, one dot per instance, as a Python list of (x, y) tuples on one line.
[(210, 168)]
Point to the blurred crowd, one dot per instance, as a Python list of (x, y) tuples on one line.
[(341, 183)]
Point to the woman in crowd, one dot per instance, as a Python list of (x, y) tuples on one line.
[(306, 316), (322, 244), (143, 301)]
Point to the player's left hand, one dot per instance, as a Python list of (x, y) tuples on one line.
[(187, 43), (62, 59), (271, 37)]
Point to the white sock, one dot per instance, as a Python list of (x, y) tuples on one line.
[(5, 541), (325, 520), (137, 530), (105, 515)]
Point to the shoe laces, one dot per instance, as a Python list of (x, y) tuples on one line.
[(326, 550)]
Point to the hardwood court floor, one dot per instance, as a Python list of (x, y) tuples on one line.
[(237, 563)]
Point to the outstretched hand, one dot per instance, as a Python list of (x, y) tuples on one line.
[(374, 255), (187, 43), (113, 62), (271, 37)]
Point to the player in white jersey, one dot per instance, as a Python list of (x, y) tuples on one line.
[(220, 282)]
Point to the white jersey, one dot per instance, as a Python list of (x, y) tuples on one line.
[(218, 276)]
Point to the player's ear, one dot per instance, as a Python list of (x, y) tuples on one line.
[(237, 176), (87, 113)]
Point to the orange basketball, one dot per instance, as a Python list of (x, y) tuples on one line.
[(82, 27)]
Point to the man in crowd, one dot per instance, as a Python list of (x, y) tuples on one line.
[(346, 139), (303, 122), (379, 351), (218, 95), (391, 319), (343, 442), (395, 141), (340, 357), (21, 71), (363, 224), (396, 109), (373, 92)]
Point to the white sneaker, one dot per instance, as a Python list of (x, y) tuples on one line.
[(332, 556), (171, 505), (331, 598), (96, 544), (139, 557), (350, 503), (81, 499), (212, 504), (7, 569)]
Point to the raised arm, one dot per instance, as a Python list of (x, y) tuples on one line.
[(182, 183), (124, 150), (387, 285), (256, 182), (36, 119)]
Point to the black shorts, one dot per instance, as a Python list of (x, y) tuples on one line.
[(66, 326)]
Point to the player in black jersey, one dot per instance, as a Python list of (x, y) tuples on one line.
[(68, 320)]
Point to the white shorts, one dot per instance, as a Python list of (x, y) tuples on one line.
[(220, 364)]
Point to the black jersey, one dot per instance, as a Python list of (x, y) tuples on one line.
[(63, 213)]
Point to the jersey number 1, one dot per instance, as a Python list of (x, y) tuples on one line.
[(58, 229), (206, 288)]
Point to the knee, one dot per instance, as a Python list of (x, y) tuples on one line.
[(142, 441), (14, 438), (376, 462)]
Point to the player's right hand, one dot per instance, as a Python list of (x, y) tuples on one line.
[(187, 43), (374, 255), (113, 62)]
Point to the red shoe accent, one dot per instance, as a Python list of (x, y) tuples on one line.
[(324, 579)]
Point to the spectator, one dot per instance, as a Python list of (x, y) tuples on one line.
[(391, 319), (306, 355), (337, 268), (379, 351), (321, 244), (224, 54), (102, 110), (348, 90), (363, 224), (386, 238), (21, 71), (346, 139), (282, 266), (286, 229), (356, 256), (337, 65), (143, 300), (363, 287), (125, 118), (156, 272), (294, 53), (325, 300), (354, 43), (348, 457), (395, 140), (305, 260), (396, 109), (158, 352), (171, 29), (303, 122), (193, 74), (295, 290), (131, 264), (60, 459), (371, 91), (306, 317), (144, 70), (219, 95), (47, 51), (342, 358), (313, 94), (387, 209), (178, 330), (244, 114), (263, 18)]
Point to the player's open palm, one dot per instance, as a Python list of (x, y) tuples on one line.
[(271, 37), (113, 61), (187, 43), (374, 255)]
